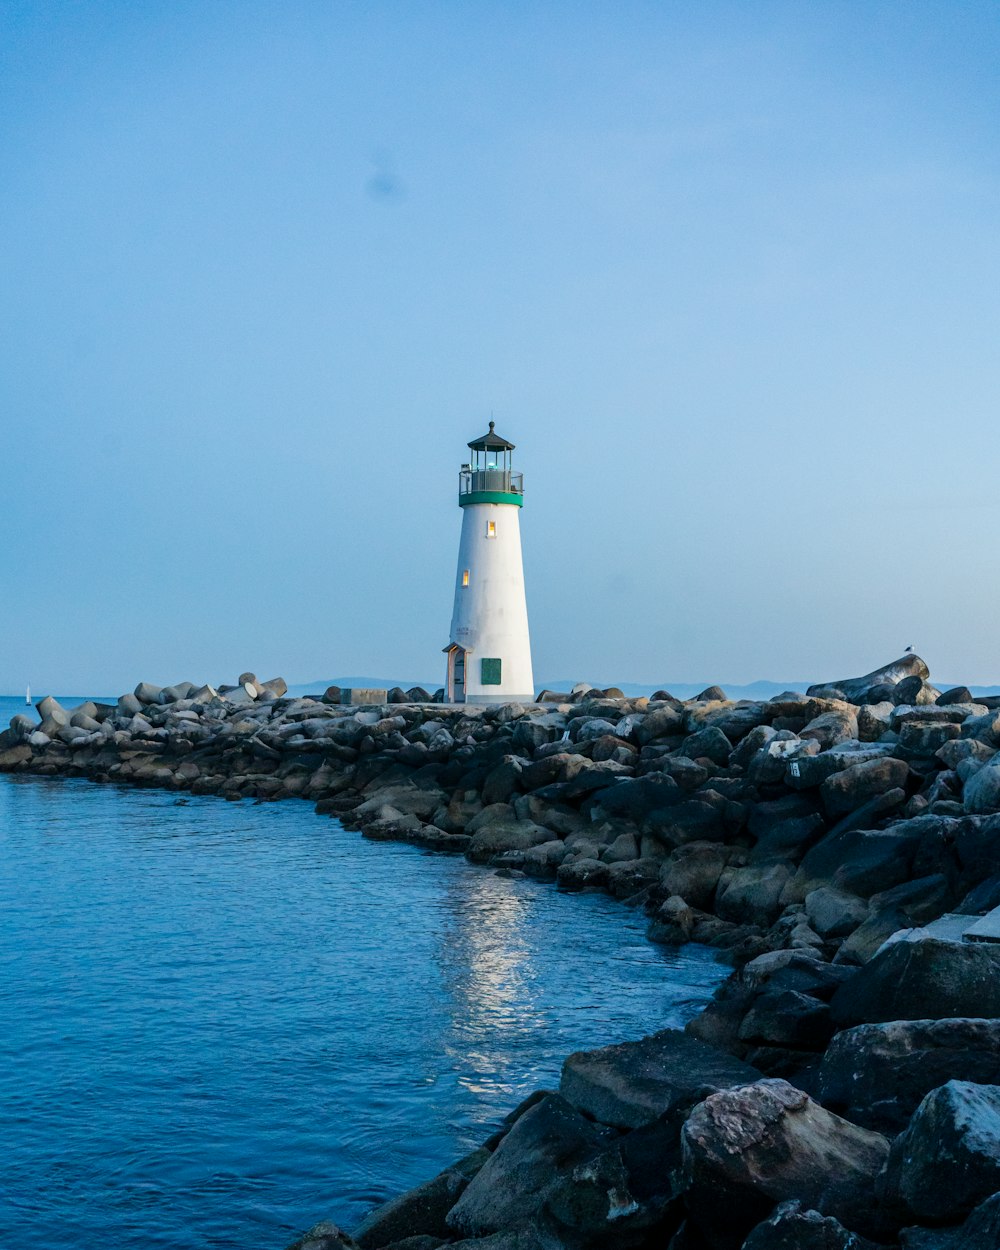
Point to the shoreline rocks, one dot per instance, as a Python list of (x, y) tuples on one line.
[(833, 845)]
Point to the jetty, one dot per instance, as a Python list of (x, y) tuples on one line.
[(840, 846)]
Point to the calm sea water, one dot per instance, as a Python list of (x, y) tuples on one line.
[(222, 1022)]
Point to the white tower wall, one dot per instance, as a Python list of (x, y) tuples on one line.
[(490, 618)]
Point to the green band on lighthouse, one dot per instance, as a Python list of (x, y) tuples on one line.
[(491, 496)]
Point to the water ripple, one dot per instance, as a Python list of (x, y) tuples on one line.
[(221, 1022)]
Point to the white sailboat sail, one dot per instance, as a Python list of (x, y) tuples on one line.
[(27, 694)]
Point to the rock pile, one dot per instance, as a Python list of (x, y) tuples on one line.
[(852, 1055)]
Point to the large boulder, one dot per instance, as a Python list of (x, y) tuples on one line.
[(511, 1188), (846, 790), (52, 710), (787, 1018), (981, 1231), (877, 1074), (834, 913), (948, 1160), (746, 1149), (625, 1196), (496, 829), (857, 689), (791, 1228), (866, 861), (751, 895), (420, 1211), (711, 744), (982, 792), (831, 728), (927, 979), (503, 782), (904, 906), (325, 1236), (633, 1083), (693, 871)]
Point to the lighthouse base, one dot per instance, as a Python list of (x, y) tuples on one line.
[(500, 698)]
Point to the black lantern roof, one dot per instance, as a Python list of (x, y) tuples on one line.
[(491, 442)]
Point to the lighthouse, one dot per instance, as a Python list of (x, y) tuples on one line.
[(489, 655)]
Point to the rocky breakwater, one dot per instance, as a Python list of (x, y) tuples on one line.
[(842, 1091), (838, 844)]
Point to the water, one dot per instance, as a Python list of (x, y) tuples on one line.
[(222, 1022)]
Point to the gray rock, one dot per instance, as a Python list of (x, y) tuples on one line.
[(709, 744), (129, 705), (948, 1159), (985, 728), (848, 789), (918, 740), (635, 1083), (624, 848), (148, 694), (833, 727), (22, 726), (541, 861), (914, 690), (52, 710), (751, 895), (787, 1018), (503, 782), (746, 1149), (325, 1236), (865, 862), (276, 686), (922, 980), (512, 1186), (421, 1211), (791, 1228), (623, 1197), (873, 721), (584, 873), (629, 878), (510, 835), (904, 906), (877, 1074), (981, 1231), (521, 1238), (693, 872), (835, 913), (957, 694), (661, 722), (953, 753), (857, 689), (982, 792)]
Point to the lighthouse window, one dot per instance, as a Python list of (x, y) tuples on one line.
[(465, 578), (490, 672), (491, 529)]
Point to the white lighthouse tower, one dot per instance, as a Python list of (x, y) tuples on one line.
[(489, 655)]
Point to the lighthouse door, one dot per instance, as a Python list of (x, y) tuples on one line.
[(458, 675)]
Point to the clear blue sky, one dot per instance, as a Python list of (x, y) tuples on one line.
[(727, 273)]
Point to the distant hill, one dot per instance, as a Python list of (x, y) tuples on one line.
[(682, 689)]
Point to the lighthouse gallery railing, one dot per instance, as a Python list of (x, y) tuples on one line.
[(505, 480)]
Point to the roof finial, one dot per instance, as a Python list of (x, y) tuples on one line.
[(493, 426)]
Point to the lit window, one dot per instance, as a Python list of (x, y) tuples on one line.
[(491, 529), (465, 578)]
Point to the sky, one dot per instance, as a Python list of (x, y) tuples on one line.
[(727, 274)]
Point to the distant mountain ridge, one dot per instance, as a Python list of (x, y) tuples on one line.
[(682, 689)]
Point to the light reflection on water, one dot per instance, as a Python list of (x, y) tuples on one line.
[(221, 1022)]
